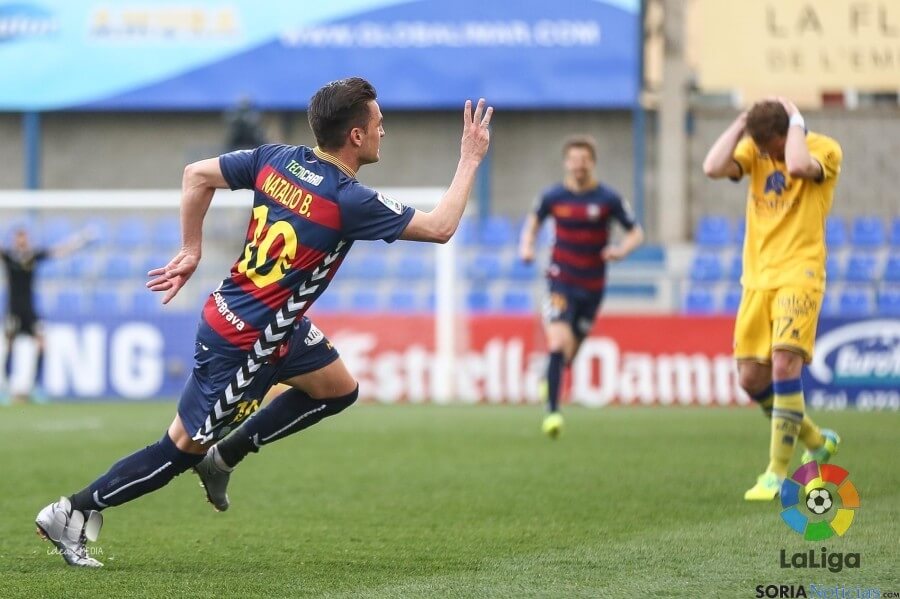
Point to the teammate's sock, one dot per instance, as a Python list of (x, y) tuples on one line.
[(554, 380), (765, 399), (289, 413), (811, 434), (140, 473), (787, 416)]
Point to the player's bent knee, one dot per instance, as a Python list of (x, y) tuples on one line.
[(338, 404), (182, 439), (786, 365)]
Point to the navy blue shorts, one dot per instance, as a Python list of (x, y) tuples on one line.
[(577, 309), (308, 350)]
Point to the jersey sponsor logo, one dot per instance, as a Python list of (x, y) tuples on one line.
[(392, 204), (775, 183), (594, 211), (229, 316), (304, 175), (314, 336)]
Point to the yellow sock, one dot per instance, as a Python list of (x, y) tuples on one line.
[(787, 418), (811, 434)]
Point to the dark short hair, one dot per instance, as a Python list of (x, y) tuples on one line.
[(766, 121), (581, 141), (337, 108)]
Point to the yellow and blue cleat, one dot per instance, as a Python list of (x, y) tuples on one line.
[(824, 453), (766, 488), (553, 425)]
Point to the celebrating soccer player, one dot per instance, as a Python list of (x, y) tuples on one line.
[(582, 209), (792, 173), (20, 261), (308, 209)]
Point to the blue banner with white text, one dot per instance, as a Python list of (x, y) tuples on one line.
[(419, 54)]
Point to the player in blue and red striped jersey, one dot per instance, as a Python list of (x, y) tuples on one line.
[(308, 209), (583, 210)]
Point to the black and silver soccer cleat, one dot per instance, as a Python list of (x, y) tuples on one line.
[(214, 479)]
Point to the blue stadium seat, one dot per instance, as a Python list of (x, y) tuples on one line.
[(545, 235), (105, 301), (699, 300), (404, 301), (649, 255), (868, 232), (736, 268), (330, 301), (132, 233), (895, 232), (118, 266), (478, 300), (835, 233), (860, 268), (892, 269), (517, 300), (732, 299), (70, 302), (167, 233), (484, 267), (706, 268), (855, 302), (366, 266), (740, 228), (889, 301), (414, 266), (43, 303), (365, 300), (144, 303), (833, 270), (713, 231), (520, 271), (81, 266), (496, 231), (54, 268)]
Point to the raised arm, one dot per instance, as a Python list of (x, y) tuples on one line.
[(199, 183), (719, 162), (440, 223), (72, 244), (799, 162)]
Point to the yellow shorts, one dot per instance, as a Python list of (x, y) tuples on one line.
[(770, 319)]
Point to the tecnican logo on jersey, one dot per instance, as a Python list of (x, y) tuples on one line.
[(304, 175), (392, 204)]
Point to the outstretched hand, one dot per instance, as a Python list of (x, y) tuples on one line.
[(172, 277), (476, 135)]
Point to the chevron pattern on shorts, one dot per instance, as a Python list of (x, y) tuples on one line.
[(273, 334)]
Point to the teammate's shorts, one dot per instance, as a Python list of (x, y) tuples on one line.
[(770, 319), (577, 309), (307, 351), (22, 323)]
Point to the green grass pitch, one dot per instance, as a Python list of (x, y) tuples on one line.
[(414, 501)]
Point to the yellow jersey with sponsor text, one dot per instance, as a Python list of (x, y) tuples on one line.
[(784, 243)]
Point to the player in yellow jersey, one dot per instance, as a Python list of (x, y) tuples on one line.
[(793, 173)]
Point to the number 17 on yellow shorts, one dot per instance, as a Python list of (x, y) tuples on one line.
[(770, 319)]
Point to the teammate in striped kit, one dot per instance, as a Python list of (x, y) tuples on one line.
[(308, 209), (582, 210)]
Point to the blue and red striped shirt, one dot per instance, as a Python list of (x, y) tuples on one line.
[(308, 208), (582, 231)]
